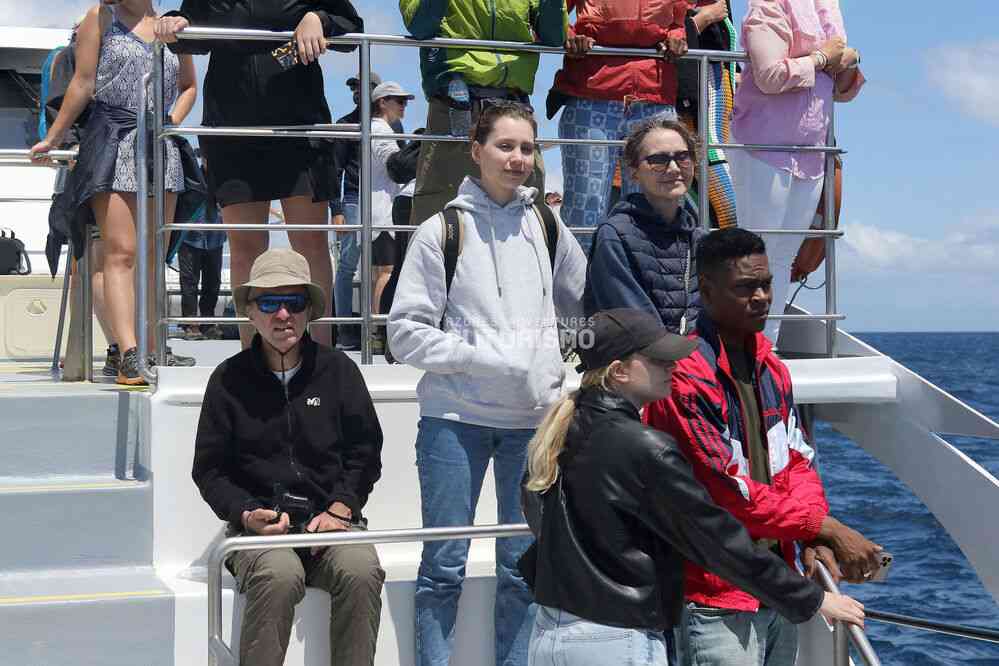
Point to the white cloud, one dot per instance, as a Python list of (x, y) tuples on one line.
[(38, 14), (971, 248), (969, 74)]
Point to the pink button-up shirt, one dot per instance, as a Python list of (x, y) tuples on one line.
[(782, 100)]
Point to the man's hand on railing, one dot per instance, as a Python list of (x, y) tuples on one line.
[(577, 45), (265, 522), (817, 552), (309, 38), (841, 608), (167, 28), (857, 556)]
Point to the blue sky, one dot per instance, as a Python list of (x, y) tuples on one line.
[(921, 203)]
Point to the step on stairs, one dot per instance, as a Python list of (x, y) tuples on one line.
[(76, 579)]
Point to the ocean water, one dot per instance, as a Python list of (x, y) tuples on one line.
[(930, 577)]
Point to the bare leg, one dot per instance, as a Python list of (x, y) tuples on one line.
[(245, 247), (97, 282), (379, 278), (116, 221), (314, 246)]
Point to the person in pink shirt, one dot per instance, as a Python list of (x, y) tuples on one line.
[(799, 64)]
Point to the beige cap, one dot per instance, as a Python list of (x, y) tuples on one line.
[(390, 89), (281, 267)]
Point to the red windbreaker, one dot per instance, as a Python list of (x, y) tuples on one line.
[(704, 415), (623, 23)]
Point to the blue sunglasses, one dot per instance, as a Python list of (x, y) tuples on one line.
[(271, 303)]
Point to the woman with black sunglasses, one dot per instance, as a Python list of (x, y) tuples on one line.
[(642, 256)]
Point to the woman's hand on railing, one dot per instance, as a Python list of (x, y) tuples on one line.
[(841, 608), (309, 38), (38, 151), (673, 47), (167, 28), (577, 45)]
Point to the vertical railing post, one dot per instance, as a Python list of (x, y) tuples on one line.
[(365, 186), (142, 294), (829, 215), (843, 633), (87, 314), (841, 645), (63, 305), (159, 196), (703, 120)]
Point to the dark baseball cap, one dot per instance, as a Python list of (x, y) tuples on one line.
[(355, 81), (618, 333)]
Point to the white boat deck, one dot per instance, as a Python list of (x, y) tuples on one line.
[(115, 534)]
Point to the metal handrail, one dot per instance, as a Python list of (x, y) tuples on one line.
[(365, 136), (958, 630), (220, 653), (843, 631)]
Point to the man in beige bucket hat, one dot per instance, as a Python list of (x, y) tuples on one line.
[(288, 441)]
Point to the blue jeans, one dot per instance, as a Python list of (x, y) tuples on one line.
[(587, 171), (563, 638), (720, 637), (451, 459), (343, 283)]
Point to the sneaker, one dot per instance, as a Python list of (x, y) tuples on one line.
[(193, 333), (112, 362), (172, 360), (128, 369)]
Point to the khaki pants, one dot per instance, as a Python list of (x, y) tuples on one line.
[(442, 166), (274, 582)]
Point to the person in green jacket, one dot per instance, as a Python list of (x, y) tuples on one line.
[(459, 82)]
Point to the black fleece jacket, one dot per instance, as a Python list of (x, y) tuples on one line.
[(322, 440)]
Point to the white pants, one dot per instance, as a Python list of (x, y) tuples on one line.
[(770, 198)]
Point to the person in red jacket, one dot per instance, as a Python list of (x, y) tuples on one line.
[(605, 97), (732, 412)]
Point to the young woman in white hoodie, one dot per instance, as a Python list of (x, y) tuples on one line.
[(490, 348)]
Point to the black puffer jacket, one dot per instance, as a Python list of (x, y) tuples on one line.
[(322, 440), (614, 531)]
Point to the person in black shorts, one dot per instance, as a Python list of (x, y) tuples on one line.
[(247, 85)]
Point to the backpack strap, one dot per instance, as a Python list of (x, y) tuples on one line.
[(451, 241), (550, 226), (451, 244)]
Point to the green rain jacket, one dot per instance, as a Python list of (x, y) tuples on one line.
[(544, 21)]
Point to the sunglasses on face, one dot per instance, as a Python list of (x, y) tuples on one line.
[(401, 100), (271, 303), (661, 161)]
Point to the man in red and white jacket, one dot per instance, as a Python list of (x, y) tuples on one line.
[(732, 412)]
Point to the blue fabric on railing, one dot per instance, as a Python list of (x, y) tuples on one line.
[(94, 172)]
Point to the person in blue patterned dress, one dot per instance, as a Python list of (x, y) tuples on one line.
[(113, 52)]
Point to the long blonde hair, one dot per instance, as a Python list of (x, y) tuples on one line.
[(549, 440)]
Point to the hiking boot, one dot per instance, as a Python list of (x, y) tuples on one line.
[(128, 369), (112, 362)]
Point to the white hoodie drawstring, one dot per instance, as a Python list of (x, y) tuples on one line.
[(492, 250)]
